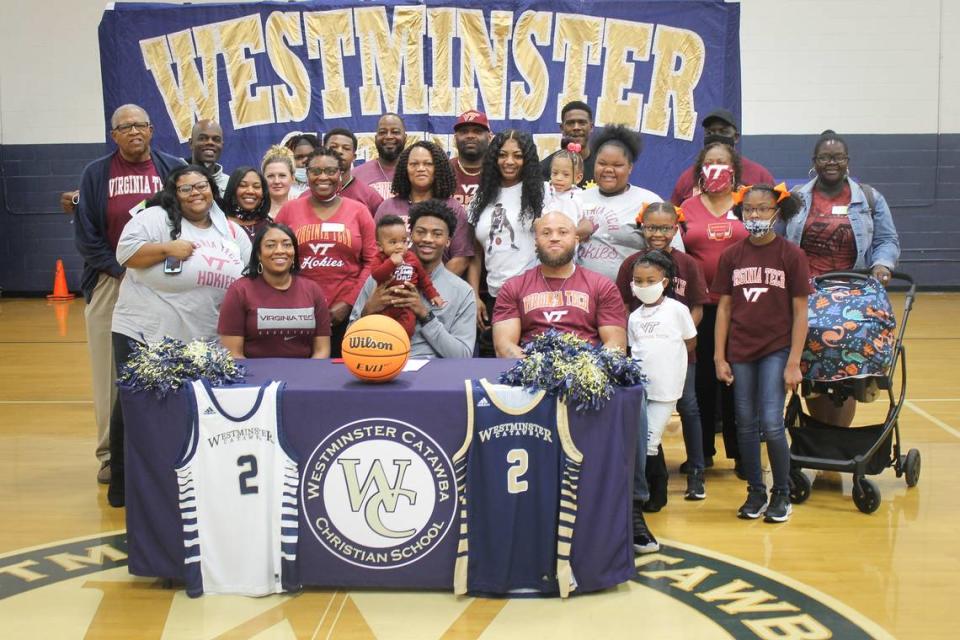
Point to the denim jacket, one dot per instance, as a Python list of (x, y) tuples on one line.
[(875, 236)]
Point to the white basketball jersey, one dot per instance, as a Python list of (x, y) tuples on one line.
[(238, 494)]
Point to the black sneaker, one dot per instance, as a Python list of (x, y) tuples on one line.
[(779, 509), (643, 540), (695, 487), (686, 468), (755, 505)]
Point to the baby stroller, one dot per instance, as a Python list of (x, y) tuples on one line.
[(854, 350)]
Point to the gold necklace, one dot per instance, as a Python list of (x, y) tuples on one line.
[(465, 172), (562, 284)]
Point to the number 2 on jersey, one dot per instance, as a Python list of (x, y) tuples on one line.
[(519, 462), (249, 465)]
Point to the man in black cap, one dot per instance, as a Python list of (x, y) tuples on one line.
[(720, 126)]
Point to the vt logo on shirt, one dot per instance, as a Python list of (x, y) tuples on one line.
[(554, 316), (752, 294)]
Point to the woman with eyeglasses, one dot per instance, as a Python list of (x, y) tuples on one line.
[(336, 238), (711, 228), (842, 225), (181, 254), (423, 173), (245, 202)]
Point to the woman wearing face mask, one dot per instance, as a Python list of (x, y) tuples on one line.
[(244, 201), (611, 207), (711, 228), (839, 230), (659, 223), (301, 145), (277, 169), (763, 283), (336, 238)]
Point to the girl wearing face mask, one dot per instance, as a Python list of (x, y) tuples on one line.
[(661, 333), (763, 283), (659, 223), (712, 227)]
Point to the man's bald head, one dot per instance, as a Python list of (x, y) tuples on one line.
[(556, 238), (206, 142)]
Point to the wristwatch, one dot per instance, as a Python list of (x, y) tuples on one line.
[(428, 318)]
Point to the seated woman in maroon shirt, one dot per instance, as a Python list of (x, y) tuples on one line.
[(273, 312)]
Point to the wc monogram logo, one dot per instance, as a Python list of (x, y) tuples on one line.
[(378, 493)]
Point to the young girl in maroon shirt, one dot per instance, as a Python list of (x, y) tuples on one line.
[(763, 283)]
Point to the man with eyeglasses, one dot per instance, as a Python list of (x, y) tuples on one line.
[(112, 189), (720, 126), (206, 146), (344, 142)]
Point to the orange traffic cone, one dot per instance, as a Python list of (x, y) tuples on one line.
[(60, 291)]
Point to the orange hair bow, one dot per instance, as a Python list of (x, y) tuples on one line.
[(783, 192), (639, 218), (739, 193), (681, 216)]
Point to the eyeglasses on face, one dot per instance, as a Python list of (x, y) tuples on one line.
[(828, 159), (750, 211), (130, 126), (316, 172), (199, 187), (659, 228)]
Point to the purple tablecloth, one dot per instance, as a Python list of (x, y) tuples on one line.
[(320, 398)]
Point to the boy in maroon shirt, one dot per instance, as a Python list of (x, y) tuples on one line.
[(398, 265), (763, 283)]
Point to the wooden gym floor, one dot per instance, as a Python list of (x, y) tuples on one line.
[(893, 573)]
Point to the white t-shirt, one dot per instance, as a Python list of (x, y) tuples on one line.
[(656, 336), (616, 236), (186, 305), (567, 202), (507, 243)]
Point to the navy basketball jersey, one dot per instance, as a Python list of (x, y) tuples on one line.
[(238, 493), (517, 476)]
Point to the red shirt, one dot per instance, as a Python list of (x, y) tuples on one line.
[(129, 184), (707, 236), (752, 173), (762, 282), (410, 270), (374, 174), (689, 286), (827, 235), (336, 253), (467, 184), (359, 191), (580, 304), (274, 323)]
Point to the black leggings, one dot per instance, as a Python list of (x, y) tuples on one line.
[(713, 397)]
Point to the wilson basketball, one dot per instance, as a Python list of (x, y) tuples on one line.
[(375, 348)]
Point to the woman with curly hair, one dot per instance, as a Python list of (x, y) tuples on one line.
[(613, 204), (244, 200), (509, 200), (423, 173)]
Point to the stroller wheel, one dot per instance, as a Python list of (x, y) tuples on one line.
[(799, 486), (911, 468), (866, 494)]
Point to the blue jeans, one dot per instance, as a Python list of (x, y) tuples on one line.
[(689, 412), (759, 395), (641, 491)]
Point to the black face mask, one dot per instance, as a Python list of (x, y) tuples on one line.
[(710, 138)]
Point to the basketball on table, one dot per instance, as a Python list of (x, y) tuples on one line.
[(375, 348)]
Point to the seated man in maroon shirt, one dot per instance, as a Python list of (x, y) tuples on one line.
[(720, 126), (557, 294)]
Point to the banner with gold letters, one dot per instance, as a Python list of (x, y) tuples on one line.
[(265, 69)]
